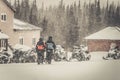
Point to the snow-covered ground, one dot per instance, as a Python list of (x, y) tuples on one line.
[(97, 56), (89, 70)]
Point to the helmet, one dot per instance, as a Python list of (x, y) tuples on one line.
[(41, 39), (50, 37)]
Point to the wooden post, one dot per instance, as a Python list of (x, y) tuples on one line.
[(6, 44), (0, 44)]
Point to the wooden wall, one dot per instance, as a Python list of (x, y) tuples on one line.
[(101, 45)]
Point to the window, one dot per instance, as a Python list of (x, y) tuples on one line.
[(21, 41), (33, 41), (3, 17), (3, 44)]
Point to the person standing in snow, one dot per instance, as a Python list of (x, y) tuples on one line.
[(40, 49), (50, 48)]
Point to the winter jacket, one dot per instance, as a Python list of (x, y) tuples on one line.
[(50, 41), (40, 43)]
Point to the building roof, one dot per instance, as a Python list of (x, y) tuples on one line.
[(3, 36), (109, 33), (9, 5), (20, 25)]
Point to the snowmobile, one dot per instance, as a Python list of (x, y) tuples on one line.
[(80, 54), (87, 55), (4, 58), (60, 55), (84, 50), (56, 56), (76, 54), (18, 56), (30, 56), (112, 54)]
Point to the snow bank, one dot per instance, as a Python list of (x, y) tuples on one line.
[(22, 47), (97, 56)]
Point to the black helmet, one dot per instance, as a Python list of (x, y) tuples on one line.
[(50, 38), (41, 39)]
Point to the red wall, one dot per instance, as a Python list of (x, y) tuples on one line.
[(101, 45)]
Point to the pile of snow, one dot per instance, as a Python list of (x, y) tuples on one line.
[(109, 33), (22, 47), (69, 55), (10, 53), (3, 36), (60, 48), (97, 56)]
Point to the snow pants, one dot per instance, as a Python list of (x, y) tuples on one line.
[(49, 56), (40, 57)]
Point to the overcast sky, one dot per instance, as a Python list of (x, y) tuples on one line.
[(47, 3)]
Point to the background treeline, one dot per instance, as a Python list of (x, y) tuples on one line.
[(69, 24)]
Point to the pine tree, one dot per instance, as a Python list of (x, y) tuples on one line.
[(73, 29), (117, 15), (98, 12), (91, 18), (80, 25), (98, 24), (34, 14), (84, 23), (17, 8), (111, 9), (106, 18), (44, 25), (27, 10)]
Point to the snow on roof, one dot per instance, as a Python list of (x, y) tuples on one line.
[(20, 25), (22, 47), (109, 33), (3, 36)]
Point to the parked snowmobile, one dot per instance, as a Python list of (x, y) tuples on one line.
[(30, 56), (18, 56), (59, 54), (85, 52), (112, 54), (80, 54), (76, 54), (4, 57)]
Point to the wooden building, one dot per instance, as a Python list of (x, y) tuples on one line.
[(101, 40), (25, 33), (19, 32)]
